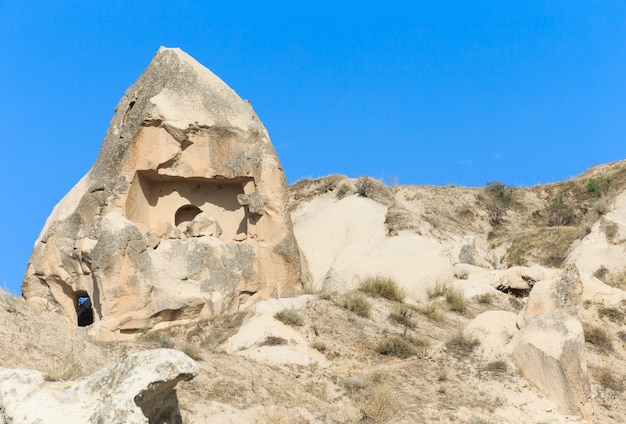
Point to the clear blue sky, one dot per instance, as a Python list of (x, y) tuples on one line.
[(425, 92)]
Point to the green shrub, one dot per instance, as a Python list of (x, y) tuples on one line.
[(166, 342), (289, 317), (403, 346), (598, 187), (498, 199), (358, 304), (384, 287)]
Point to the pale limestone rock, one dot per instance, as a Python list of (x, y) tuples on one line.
[(550, 353), (494, 329), (564, 292), (139, 389), (183, 213)]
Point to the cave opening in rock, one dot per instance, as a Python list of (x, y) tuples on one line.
[(186, 214), (84, 310)]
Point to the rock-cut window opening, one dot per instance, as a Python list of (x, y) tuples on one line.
[(186, 214), (84, 310)]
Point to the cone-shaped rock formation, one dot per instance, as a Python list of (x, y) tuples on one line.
[(182, 216)]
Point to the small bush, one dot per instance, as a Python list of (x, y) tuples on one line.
[(402, 346), (610, 230), (497, 367), (439, 290), (357, 304), (384, 287), (431, 311), (601, 273), (456, 300), (599, 337), (289, 317), (192, 351), (608, 380), (402, 315), (273, 341), (612, 314), (561, 212), (461, 347), (319, 346), (498, 199), (484, 299), (166, 342), (598, 187)]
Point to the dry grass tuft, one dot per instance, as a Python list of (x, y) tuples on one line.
[(461, 347), (192, 351), (599, 337), (385, 287), (613, 314), (289, 317), (431, 311), (484, 299), (273, 341), (454, 297), (497, 367), (358, 304), (403, 346)]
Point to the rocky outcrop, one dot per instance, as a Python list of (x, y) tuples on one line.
[(139, 389), (182, 216), (549, 348), (550, 353)]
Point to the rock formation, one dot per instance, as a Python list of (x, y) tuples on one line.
[(183, 215), (139, 389), (549, 349)]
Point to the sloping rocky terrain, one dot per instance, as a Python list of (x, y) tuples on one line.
[(342, 353)]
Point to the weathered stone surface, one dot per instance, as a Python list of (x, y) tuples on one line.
[(183, 213), (564, 292), (494, 329), (550, 353), (138, 389)]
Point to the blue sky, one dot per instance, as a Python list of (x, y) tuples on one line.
[(422, 92)]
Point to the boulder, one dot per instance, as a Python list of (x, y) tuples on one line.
[(549, 352), (182, 216), (494, 329), (564, 292), (139, 389)]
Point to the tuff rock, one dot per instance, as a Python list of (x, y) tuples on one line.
[(182, 216), (137, 390)]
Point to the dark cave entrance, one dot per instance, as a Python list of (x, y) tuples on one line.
[(186, 214), (84, 310)]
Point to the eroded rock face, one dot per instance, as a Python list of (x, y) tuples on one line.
[(137, 390), (182, 216), (550, 352)]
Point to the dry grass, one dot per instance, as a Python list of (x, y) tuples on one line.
[(484, 299), (385, 287), (357, 303), (431, 311), (613, 314), (403, 346), (455, 298), (289, 317), (497, 367), (461, 347), (273, 341), (599, 337)]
